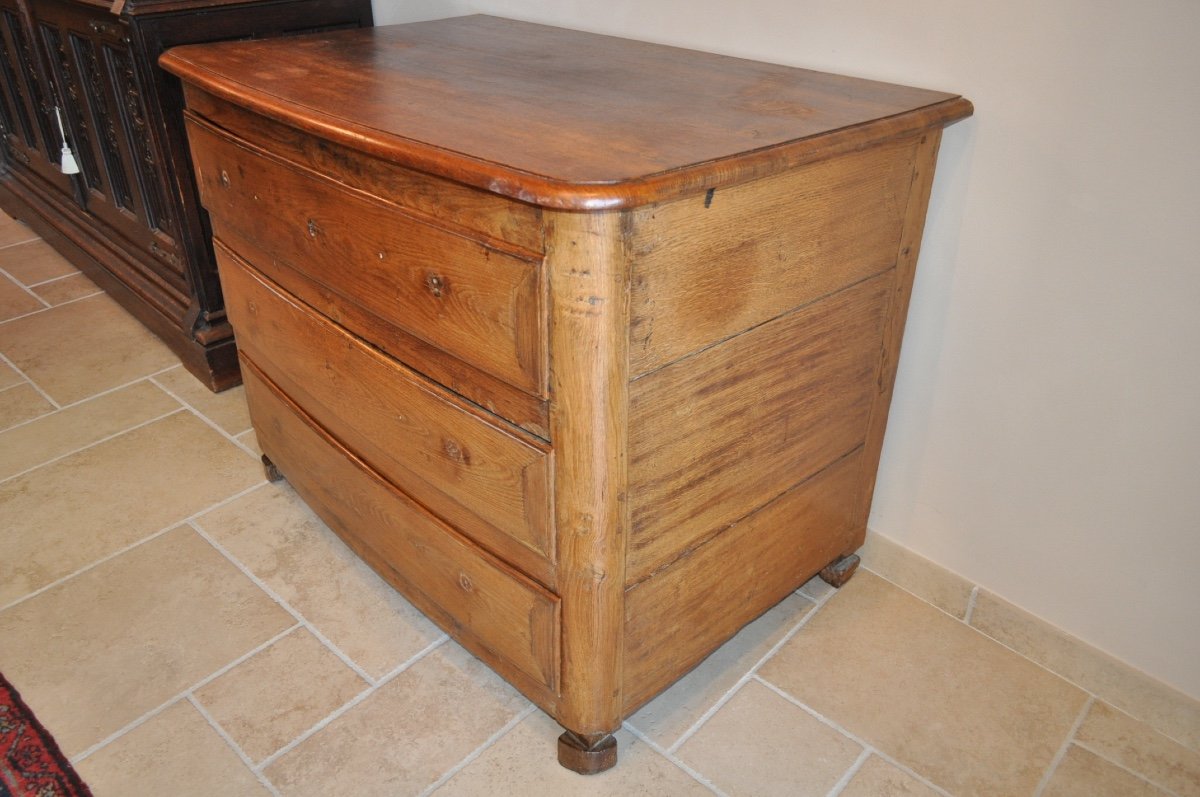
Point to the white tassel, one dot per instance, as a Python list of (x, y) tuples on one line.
[(69, 165)]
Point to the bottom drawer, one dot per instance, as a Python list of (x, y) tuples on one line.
[(501, 616)]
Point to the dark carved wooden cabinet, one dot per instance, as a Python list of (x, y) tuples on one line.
[(130, 217)]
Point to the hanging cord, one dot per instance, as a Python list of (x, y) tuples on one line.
[(69, 166)]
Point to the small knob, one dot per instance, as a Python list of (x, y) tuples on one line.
[(313, 229), (436, 285), (224, 179)]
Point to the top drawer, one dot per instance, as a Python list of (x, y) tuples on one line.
[(468, 297)]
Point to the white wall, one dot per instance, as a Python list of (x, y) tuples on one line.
[(1045, 435)]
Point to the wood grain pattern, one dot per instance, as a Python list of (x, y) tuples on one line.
[(893, 333), (715, 436), (489, 482), (466, 297), (708, 267), (463, 99), (676, 618), (504, 618), (619, 382), (453, 203), (589, 425), (494, 395)]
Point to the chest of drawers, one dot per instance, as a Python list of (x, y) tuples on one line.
[(586, 345)]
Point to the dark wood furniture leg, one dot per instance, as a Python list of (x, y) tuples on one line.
[(271, 470), (839, 571), (587, 754)]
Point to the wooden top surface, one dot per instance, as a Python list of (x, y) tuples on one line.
[(556, 117)]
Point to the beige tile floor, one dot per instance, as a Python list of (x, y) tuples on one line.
[(184, 627)]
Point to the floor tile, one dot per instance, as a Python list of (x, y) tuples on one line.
[(9, 376), (34, 262), (1084, 774), (100, 650), (271, 698), (13, 231), (1113, 681), (1138, 747), (761, 744), (80, 425), (672, 713), (968, 714), (20, 404), (816, 589), (525, 762), (83, 348), (406, 735), (174, 753), (67, 289), (250, 440), (293, 552), (79, 509), (878, 778), (226, 409), (947, 591), (15, 300)]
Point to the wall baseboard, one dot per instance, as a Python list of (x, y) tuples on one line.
[(1159, 705)]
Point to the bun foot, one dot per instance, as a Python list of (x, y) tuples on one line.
[(271, 470), (587, 754), (838, 572)]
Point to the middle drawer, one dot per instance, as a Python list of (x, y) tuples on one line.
[(491, 482)]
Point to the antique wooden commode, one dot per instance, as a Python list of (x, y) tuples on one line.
[(585, 344)]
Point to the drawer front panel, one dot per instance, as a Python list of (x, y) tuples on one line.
[(506, 620), (492, 483), (466, 297)]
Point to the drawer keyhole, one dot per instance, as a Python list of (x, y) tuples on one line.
[(465, 582), (224, 179), (436, 285)]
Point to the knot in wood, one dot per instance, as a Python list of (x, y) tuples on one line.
[(456, 452)]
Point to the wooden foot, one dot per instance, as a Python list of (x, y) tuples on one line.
[(587, 754), (838, 572), (269, 468)]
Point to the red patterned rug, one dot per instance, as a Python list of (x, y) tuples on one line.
[(31, 764)]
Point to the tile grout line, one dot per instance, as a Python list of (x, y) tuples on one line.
[(850, 773), (1084, 689), (83, 448), (34, 385), (478, 751), (183, 695), (1140, 776), (57, 279), (694, 774), (49, 306), (969, 614), (350, 704), (283, 603), (1052, 767), (852, 736), (216, 726), (199, 414), (29, 290), (713, 709), (154, 535), (1090, 650), (35, 237)]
